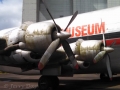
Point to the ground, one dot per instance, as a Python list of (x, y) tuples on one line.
[(78, 82)]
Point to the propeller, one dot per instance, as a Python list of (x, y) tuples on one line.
[(50, 15), (104, 51), (48, 53), (73, 17), (108, 66), (60, 38)]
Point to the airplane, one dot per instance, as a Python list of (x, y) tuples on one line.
[(89, 43)]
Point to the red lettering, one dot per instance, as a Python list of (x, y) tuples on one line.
[(83, 30), (68, 30), (77, 31), (72, 33), (99, 28), (91, 31)]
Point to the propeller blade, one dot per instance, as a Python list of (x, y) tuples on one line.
[(50, 15), (104, 40), (45, 58), (71, 20), (99, 56), (70, 54), (109, 67)]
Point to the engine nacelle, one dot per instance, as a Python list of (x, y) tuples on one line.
[(87, 50), (22, 56), (38, 36), (83, 65), (35, 36)]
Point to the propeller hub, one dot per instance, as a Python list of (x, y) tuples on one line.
[(62, 35), (107, 49)]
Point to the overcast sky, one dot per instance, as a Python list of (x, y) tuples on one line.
[(10, 13)]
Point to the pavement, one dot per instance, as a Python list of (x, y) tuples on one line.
[(77, 82)]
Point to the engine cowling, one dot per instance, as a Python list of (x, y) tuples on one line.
[(38, 36), (34, 36), (22, 56), (87, 50), (83, 65)]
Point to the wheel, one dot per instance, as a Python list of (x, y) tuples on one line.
[(44, 83), (104, 76), (48, 83), (55, 82)]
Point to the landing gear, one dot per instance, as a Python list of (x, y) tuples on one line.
[(104, 76), (48, 83)]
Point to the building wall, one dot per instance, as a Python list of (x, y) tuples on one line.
[(30, 10), (113, 3), (57, 9), (34, 10), (89, 5)]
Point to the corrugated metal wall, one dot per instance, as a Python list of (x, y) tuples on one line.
[(61, 8), (113, 3), (89, 5), (29, 11), (58, 8)]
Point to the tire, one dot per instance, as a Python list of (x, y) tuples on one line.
[(44, 83), (104, 77), (55, 82), (48, 83)]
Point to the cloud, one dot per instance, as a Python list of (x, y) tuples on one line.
[(10, 13)]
